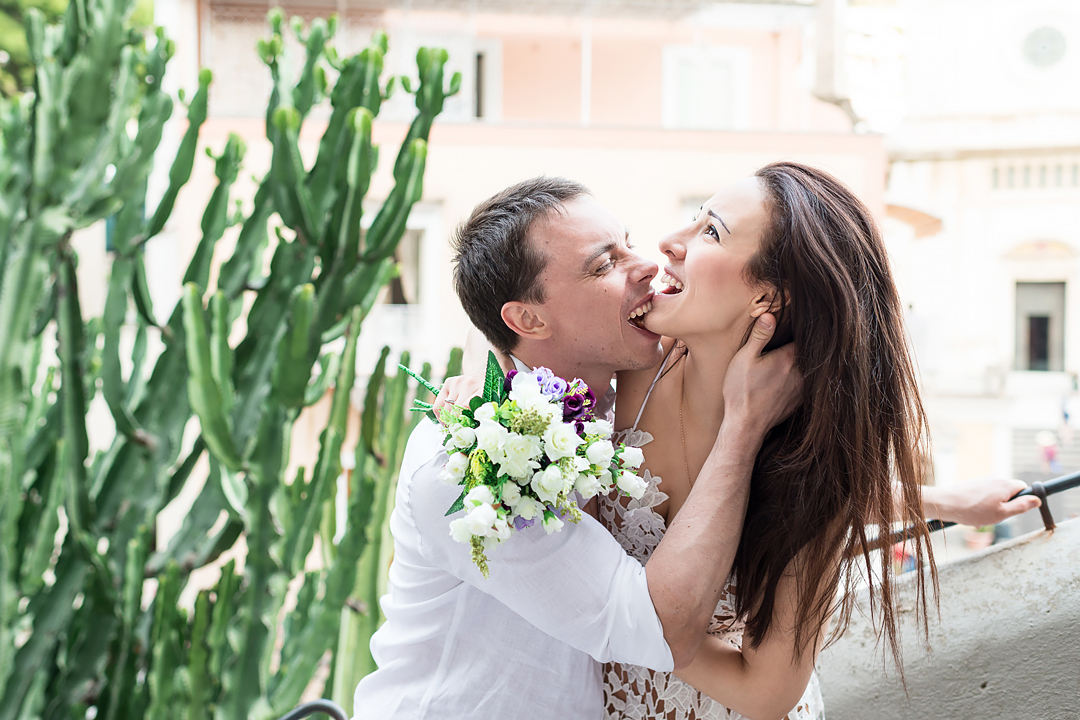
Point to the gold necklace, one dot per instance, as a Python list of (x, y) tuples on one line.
[(682, 425)]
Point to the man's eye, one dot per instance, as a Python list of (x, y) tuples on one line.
[(606, 266)]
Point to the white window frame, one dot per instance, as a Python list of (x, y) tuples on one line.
[(675, 57)]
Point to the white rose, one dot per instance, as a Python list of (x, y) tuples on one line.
[(599, 427), (485, 412), (455, 468), (552, 524), (600, 453), (631, 484), (479, 495), (489, 437), (632, 457), (560, 441), (548, 483), (480, 519), (502, 529), (459, 530), (525, 390), (462, 437), (580, 464), (587, 484), (520, 453), (527, 508), (511, 494)]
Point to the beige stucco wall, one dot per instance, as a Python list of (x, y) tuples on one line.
[(1007, 644)]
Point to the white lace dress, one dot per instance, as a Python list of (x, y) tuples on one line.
[(637, 693)]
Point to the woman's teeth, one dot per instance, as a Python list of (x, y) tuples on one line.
[(640, 311), (671, 282)]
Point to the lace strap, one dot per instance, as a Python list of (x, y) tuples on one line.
[(648, 394)]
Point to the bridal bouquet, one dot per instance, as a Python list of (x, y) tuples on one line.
[(527, 450)]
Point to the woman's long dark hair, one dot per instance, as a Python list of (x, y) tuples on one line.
[(828, 472)]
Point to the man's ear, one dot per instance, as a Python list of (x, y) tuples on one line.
[(526, 320)]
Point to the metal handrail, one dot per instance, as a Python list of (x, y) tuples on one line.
[(1041, 490), (316, 706)]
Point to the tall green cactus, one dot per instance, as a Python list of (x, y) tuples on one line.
[(77, 150)]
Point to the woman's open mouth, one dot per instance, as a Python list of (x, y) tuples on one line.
[(672, 285)]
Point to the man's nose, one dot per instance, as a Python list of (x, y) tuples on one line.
[(645, 269)]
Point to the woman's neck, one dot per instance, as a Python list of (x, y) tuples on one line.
[(705, 367)]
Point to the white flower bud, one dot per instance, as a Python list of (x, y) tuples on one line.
[(552, 524), (455, 468), (600, 453), (632, 457), (631, 484)]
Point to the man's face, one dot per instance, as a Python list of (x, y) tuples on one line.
[(592, 283)]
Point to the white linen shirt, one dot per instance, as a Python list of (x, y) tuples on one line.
[(526, 641)]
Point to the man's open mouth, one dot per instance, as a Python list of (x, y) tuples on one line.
[(637, 315)]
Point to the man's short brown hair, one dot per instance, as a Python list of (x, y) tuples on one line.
[(494, 263)]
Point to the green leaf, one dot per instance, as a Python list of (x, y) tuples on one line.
[(494, 381), (433, 389), (475, 403), (458, 505)]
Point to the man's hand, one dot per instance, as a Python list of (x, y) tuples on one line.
[(458, 390), (979, 502), (761, 390)]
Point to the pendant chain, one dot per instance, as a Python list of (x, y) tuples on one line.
[(682, 425)]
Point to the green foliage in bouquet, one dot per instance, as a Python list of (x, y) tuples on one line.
[(204, 400)]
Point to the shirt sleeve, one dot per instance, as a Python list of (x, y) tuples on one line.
[(577, 585)]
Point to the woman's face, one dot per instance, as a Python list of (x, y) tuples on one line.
[(707, 289)]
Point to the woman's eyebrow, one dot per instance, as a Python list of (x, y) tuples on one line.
[(712, 214)]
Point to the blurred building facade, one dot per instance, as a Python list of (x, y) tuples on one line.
[(953, 119)]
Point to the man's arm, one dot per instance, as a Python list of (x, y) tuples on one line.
[(979, 502), (688, 571), (577, 585)]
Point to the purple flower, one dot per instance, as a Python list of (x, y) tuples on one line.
[(507, 384), (521, 523), (579, 427), (554, 387), (590, 397), (572, 406)]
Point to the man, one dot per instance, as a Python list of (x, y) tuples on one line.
[(547, 273)]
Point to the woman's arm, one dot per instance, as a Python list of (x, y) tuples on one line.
[(979, 502), (762, 683)]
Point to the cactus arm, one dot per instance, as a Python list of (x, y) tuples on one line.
[(204, 392), (328, 467), (122, 670), (180, 171), (166, 654), (215, 217), (389, 224), (112, 378), (292, 371)]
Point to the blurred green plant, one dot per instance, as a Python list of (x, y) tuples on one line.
[(16, 69), (205, 400)]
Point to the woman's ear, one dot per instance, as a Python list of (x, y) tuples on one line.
[(526, 320), (766, 301)]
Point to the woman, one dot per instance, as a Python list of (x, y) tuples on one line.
[(791, 241), (794, 242)]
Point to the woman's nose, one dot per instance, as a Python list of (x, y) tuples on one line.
[(673, 246)]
